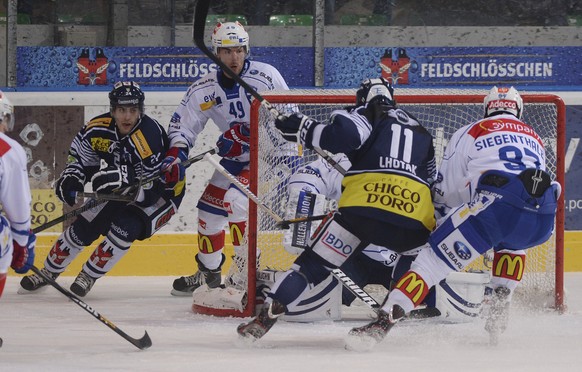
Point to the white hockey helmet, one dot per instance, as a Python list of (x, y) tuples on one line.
[(503, 100), (6, 111), (375, 89), (230, 35)]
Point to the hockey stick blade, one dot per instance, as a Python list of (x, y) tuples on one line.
[(141, 343), (198, 35)]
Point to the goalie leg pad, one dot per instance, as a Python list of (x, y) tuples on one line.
[(459, 296), (315, 303)]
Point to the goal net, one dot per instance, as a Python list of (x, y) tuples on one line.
[(442, 112)]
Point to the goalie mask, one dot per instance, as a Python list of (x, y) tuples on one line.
[(126, 93), (503, 100), (6, 111), (230, 35), (377, 90)]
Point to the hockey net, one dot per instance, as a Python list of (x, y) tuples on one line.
[(442, 112)]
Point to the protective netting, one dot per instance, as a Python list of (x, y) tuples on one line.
[(440, 111)]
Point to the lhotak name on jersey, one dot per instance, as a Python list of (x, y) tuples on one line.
[(387, 162)]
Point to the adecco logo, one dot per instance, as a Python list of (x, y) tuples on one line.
[(504, 104)]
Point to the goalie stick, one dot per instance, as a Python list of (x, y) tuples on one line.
[(198, 35), (101, 198), (141, 343)]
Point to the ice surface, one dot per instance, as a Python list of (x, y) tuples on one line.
[(47, 332)]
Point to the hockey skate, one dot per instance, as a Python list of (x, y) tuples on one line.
[(498, 315), (185, 285), (375, 332), (82, 284), (32, 283), (259, 326)]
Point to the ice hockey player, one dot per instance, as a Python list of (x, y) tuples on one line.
[(217, 97), (494, 185), (112, 151), (386, 198), (17, 242)]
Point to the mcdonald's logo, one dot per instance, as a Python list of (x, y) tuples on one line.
[(507, 265), (237, 232), (413, 286)]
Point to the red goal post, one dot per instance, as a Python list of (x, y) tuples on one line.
[(442, 111)]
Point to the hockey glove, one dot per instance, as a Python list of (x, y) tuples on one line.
[(297, 128), (23, 256), (110, 178), (66, 187), (172, 170), (234, 142)]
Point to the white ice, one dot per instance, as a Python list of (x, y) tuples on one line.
[(48, 332)]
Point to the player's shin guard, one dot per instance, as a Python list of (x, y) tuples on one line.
[(63, 252), (105, 256)]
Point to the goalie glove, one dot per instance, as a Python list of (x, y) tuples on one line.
[(110, 178), (297, 128), (23, 256)]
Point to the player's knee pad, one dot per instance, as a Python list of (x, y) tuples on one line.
[(460, 295), (82, 233), (210, 223), (236, 204), (302, 203)]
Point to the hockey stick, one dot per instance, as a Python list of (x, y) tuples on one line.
[(241, 187), (198, 35), (285, 224), (141, 343), (98, 200), (355, 289)]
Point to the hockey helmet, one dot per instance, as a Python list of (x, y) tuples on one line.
[(503, 100), (378, 89), (126, 93), (6, 111), (230, 35)]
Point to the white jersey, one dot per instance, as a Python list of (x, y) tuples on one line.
[(14, 195), (321, 177), (209, 99), (501, 142)]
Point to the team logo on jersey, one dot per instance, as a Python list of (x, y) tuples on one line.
[(92, 71), (395, 66)]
